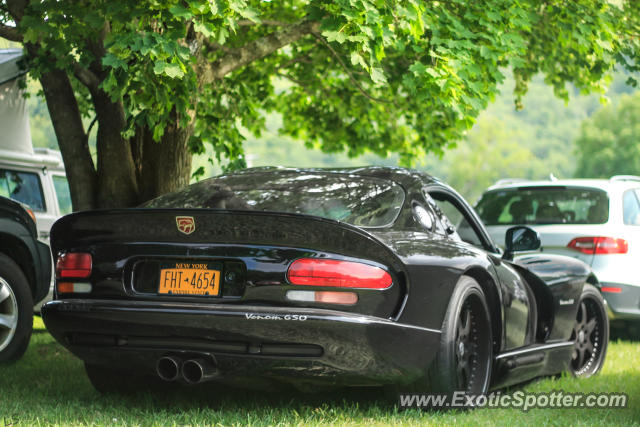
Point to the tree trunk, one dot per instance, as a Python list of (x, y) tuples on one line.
[(117, 185), (72, 140), (163, 166)]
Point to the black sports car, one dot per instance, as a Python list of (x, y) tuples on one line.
[(341, 277)]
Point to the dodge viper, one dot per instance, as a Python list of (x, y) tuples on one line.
[(365, 276)]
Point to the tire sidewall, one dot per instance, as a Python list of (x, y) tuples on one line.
[(16, 279), (445, 363), (590, 291)]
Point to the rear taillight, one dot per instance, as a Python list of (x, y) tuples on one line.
[(335, 273), (74, 265), (599, 245), (611, 289)]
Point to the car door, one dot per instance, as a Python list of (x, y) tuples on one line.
[(461, 223)]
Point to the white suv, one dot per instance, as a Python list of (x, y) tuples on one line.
[(36, 179), (594, 220)]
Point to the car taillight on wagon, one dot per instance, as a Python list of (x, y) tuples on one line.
[(74, 265), (337, 273), (598, 245)]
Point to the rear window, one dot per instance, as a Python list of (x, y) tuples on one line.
[(360, 201), (544, 205)]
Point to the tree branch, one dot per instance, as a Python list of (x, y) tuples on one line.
[(16, 8), (86, 77), (292, 79), (349, 73), (255, 50), (10, 33)]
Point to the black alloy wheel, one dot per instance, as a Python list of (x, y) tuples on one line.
[(464, 360), (590, 334)]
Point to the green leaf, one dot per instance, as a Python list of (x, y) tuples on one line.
[(113, 61), (203, 28), (168, 69), (335, 36), (377, 75), (357, 59), (180, 11), (418, 68)]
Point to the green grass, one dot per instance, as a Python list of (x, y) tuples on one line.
[(48, 386)]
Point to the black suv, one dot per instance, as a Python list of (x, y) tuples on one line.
[(25, 274)]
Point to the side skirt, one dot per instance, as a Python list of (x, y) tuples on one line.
[(529, 362)]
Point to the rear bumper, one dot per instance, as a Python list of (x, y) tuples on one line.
[(245, 342), (624, 304)]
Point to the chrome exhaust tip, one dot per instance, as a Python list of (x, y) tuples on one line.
[(195, 371), (168, 368)]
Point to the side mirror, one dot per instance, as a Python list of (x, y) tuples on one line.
[(520, 239)]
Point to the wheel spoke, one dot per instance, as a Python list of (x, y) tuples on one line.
[(8, 321), (583, 313), (591, 324), (589, 346), (467, 322), (4, 292), (463, 374), (580, 357), (574, 334)]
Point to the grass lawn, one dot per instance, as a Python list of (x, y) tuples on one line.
[(49, 386)]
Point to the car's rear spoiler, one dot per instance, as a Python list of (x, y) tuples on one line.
[(218, 226)]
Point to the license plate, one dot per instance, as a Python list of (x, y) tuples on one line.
[(189, 279)]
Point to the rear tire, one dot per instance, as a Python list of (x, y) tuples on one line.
[(464, 359), (590, 334), (16, 311)]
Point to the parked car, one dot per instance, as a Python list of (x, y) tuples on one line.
[(25, 274), (341, 277), (37, 180), (596, 221)]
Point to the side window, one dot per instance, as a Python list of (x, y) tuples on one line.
[(631, 207), (24, 187), (455, 221), (63, 195)]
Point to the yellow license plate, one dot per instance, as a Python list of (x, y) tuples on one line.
[(189, 279)]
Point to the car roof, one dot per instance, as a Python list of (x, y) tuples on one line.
[(37, 158), (618, 181)]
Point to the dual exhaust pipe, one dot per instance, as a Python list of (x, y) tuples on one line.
[(192, 371)]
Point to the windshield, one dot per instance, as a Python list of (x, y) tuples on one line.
[(360, 201), (544, 205)]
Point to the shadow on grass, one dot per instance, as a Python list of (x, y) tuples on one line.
[(50, 384), (625, 331)]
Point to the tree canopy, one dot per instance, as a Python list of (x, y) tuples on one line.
[(163, 78)]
